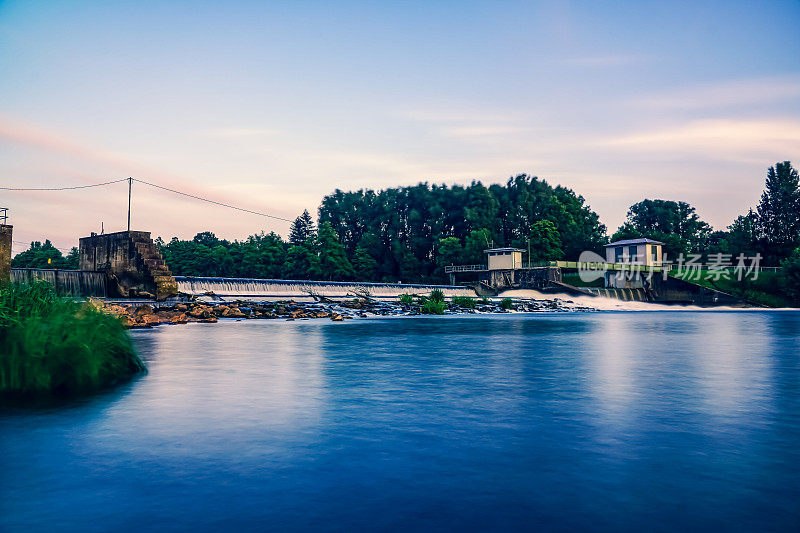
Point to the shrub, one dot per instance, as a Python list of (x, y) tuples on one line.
[(506, 303), (406, 299), (53, 345), (464, 301), (433, 307), (437, 295), (485, 301)]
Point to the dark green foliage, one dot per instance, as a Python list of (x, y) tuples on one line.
[(333, 263), (45, 255), (779, 211), (52, 345), (506, 303), (674, 223), (406, 299), (464, 301), (429, 306), (790, 277), (412, 232), (437, 295), (545, 243), (302, 229)]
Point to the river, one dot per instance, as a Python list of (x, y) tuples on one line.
[(616, 421)]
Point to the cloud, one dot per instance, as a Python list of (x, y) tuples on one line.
[(729, 138), (733, 93), (239, 132)]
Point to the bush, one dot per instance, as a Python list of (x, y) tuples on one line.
[(53, 345), (433, 307), (506, 303), (464, 301), (406, 299), (437, 295)]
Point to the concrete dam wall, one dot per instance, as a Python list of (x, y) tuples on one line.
[(281, 288), (74, 283)]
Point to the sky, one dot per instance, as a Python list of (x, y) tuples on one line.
[(272, 105)]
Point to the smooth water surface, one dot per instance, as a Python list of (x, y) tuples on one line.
[(609, 421)]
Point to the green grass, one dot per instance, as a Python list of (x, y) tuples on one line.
[(506, 303), (406, 299), (765, 289), (54, 346), (574, 279), (464, 301)]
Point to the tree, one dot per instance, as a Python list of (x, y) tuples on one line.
[(333, 263), (450, 251), (545, 242), (45, 255), (676, 224), (779, 211), (790, 277), (302, 229), (364, 264)]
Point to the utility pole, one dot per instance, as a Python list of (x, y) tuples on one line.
[(130, 182)]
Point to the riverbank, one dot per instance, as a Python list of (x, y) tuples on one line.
[(145, 315), (56, 346)]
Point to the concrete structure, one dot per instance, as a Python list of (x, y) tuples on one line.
[(132, 263), (73, 283), (5, 252), (634, 252), (504, 258)]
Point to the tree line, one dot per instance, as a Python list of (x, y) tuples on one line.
[(410, 233)]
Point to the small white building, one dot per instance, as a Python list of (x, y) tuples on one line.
[(504, 258), (635, 251), (644, 252)]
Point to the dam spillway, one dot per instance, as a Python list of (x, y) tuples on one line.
[(74, 283), (282, 288)]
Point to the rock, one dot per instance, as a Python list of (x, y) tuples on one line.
[(143, 310), (179, 319), (182, 308), (337, 318), (150, 320)]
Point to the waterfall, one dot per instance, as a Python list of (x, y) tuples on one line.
[(246, 287), (76, 283)]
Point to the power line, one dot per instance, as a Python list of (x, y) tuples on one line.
[(42, 242), (212, 201), (151, 185), (61, 188)]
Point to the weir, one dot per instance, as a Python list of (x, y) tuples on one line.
[(278, 288), (76, 283)]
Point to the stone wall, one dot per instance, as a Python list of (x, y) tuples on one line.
[(132, 263), (5, 252)]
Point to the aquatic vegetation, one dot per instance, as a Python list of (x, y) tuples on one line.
[(437, 295), (406, 299), (506, 303), (54, 345), (433, 307), (464, 301)]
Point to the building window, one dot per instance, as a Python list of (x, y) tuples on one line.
[(618, 251), (654, 253), (632, 253)]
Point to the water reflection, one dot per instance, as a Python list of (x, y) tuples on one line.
[(604, 421)]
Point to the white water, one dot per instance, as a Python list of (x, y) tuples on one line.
[(276, 288), (602, 303)]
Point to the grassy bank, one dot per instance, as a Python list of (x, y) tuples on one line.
[(766, 289), (50, 345)]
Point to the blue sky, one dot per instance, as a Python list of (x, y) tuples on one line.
[(271, 105)]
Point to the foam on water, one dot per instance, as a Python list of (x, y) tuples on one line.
[(279, 288), (601, 303)]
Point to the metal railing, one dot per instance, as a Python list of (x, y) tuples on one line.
[(464, 268)]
